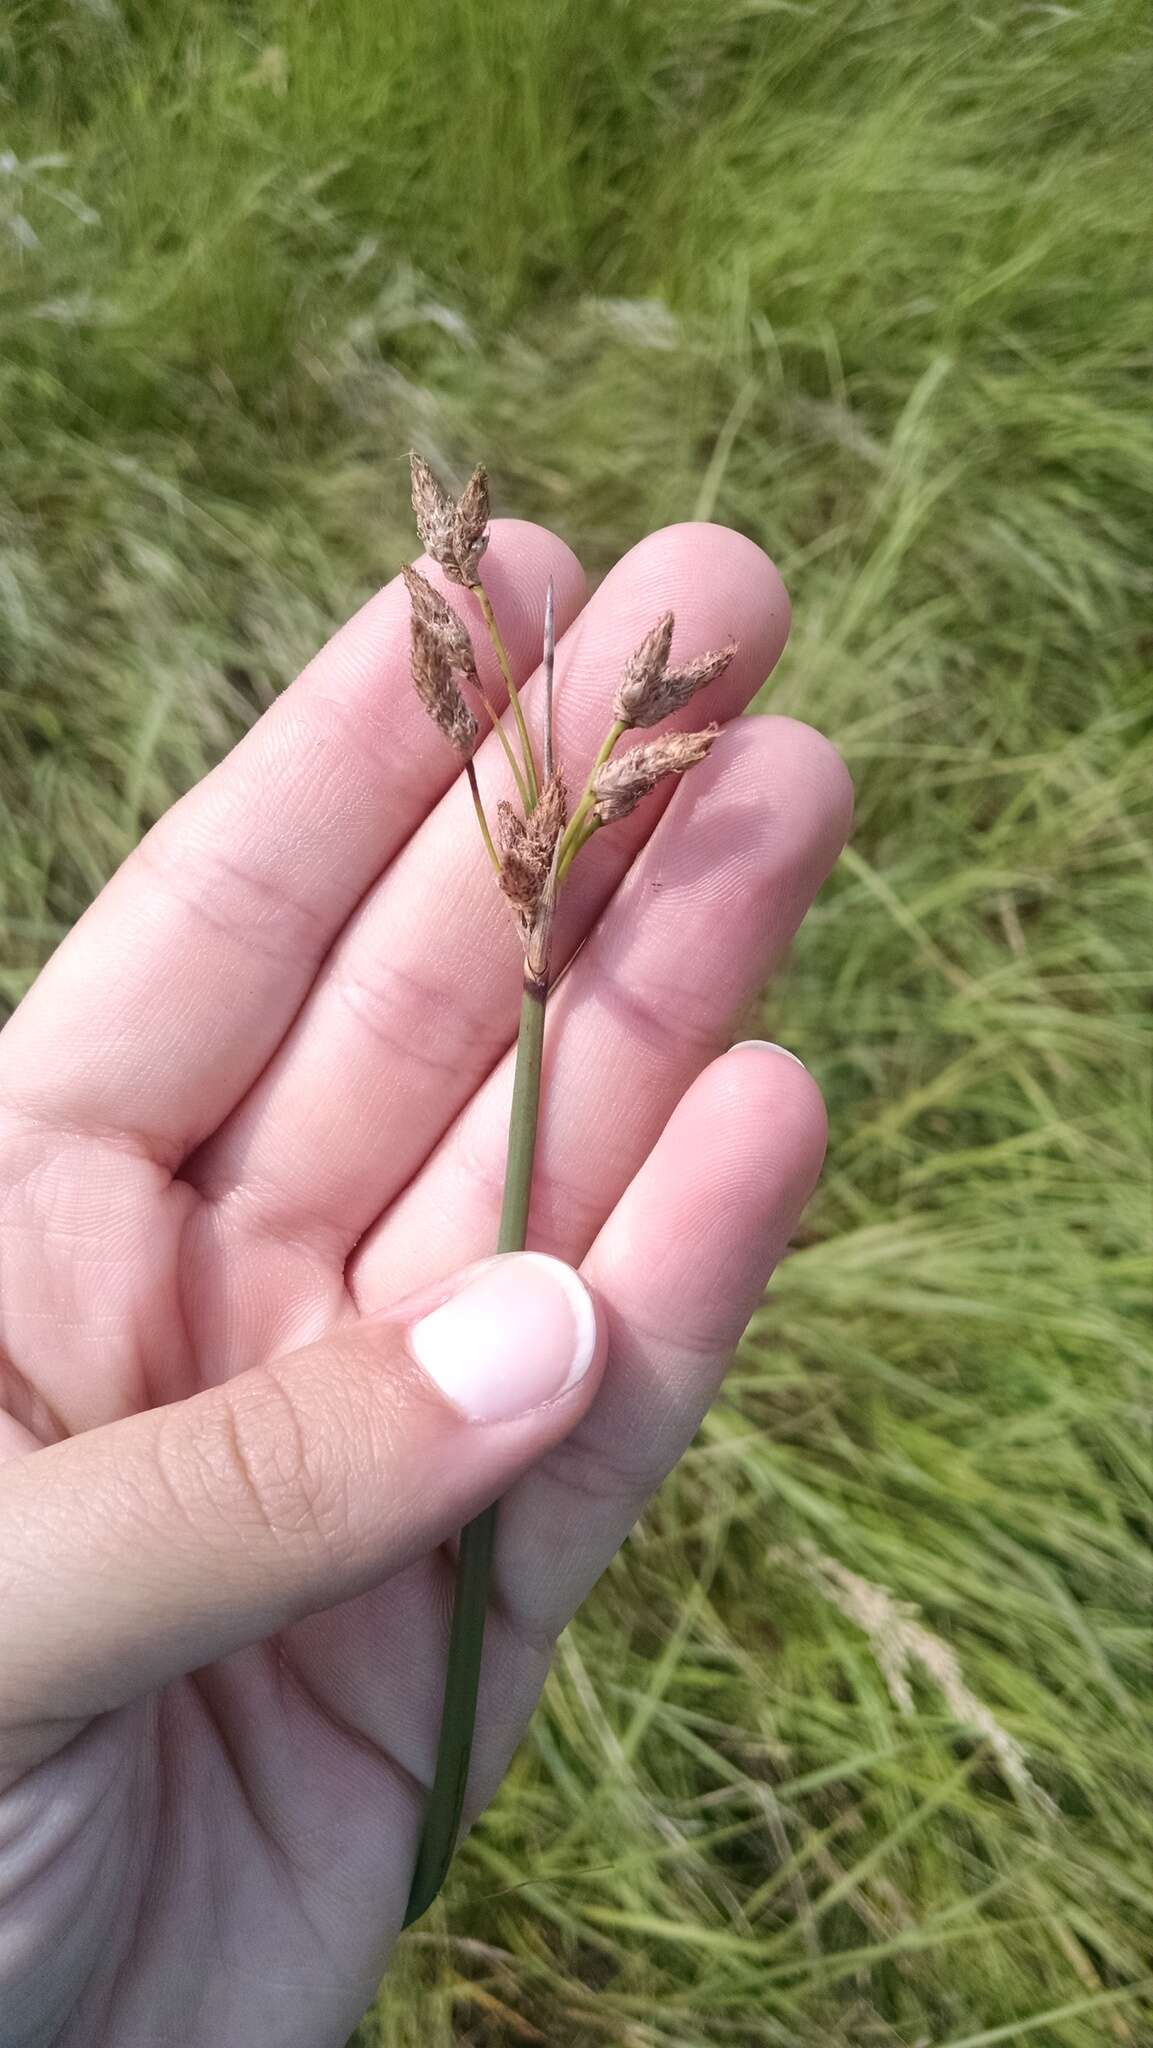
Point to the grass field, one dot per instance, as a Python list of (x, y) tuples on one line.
[(869, 279)]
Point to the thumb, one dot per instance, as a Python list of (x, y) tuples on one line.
[(154, 1545)]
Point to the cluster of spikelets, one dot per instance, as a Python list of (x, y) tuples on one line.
[(535, 844)]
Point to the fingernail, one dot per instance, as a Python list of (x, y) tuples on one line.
[(769, 1045), (520, 1332)]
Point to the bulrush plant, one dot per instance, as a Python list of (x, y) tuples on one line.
[(531, 847)]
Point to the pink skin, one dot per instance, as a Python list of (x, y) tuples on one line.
[(257, 1100)]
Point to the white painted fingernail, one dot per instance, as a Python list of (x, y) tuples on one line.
[(521, 1331), (769, 1045)]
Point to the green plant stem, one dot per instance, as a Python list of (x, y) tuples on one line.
[(506, 744), (576, 834), (501, 652), (474, 1557), (481, 820)]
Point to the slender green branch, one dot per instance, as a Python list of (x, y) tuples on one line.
[(474, 1558), (576, 833), (481, 820), (501, 652), (590, 826), (506, 744)]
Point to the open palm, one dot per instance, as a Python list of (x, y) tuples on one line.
[(258, 1098)]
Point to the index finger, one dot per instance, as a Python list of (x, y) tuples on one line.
[(164, 1004)]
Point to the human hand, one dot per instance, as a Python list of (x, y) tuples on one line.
[(252, 1120)]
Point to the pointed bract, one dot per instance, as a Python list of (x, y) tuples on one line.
[(549, 667)]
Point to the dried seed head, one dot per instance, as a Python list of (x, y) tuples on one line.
[(527, 848), (519, 870), (437, 688), (642, 673), (621, 784), (509, 826), (442, 622), (549, 817), (472, 524), (521, 882), (677, 685), (434, 510), (455, 534), (650, 691)]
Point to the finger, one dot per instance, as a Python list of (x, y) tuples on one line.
[(166, 1001), (158, 1544), (420, 997), (679, 1267), (694, 931)]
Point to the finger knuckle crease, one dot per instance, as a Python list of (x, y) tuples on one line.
[(600, 1475), (656, 1016), (257, 1468)]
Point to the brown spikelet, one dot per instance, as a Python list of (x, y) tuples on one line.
[(521, 883), (622, 783), (527, 847), (549, 817), (509, 827), (472, 524), (678, 685), (441, 620), (454, 533), (649, 690), (433, 508), (438, 690), (642, 672), (519, 877)]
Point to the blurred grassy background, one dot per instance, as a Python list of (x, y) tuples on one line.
[(869, 279)]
